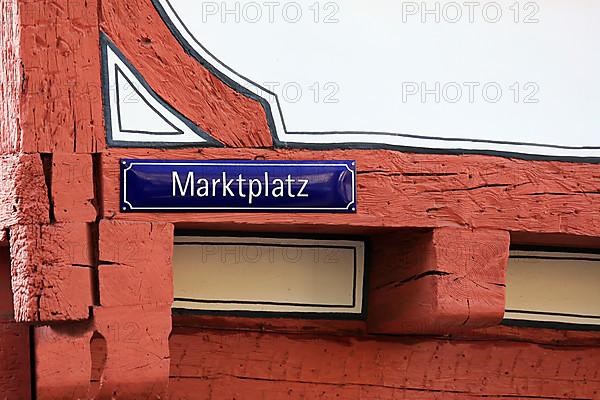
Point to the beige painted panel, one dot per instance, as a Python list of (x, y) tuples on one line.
[(268, 274), (553, 287)]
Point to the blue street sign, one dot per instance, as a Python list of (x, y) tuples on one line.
[(217, 186)]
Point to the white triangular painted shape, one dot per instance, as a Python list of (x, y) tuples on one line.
[(136, 115)]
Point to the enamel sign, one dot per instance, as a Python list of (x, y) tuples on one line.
[(287, 186)]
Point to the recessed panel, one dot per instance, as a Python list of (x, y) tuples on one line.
[(268, 275), (553, 287)]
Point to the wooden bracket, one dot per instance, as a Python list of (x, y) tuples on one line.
[(437, 281)]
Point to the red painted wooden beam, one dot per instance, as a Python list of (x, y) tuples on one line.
[(438, 281)]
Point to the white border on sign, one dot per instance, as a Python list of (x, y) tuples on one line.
[(352, 203)]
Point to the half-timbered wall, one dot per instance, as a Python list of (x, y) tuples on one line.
[(87, 312)]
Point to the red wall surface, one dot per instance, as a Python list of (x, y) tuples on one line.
[(279, 359), (15, 371)]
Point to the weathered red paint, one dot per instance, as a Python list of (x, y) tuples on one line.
[(134, 362), (6, 297), (15, 363), (226, 364), (138, 31), (72, 188), (97, 282), (454, 277), (14, 340), (60, 106), (358, 328), (401, 190), (23, 193), (51, 272), (134, 265), (55, 377), (10, 45)]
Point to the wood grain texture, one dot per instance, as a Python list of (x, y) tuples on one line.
[(6, 297), (186, 323), (137, 360), (51, 274), (139, 32), (66, 293), (400, 190), (437, 281), (11, 77), (58, 376), (72, 188), (14, 341), (135, 263), (23, 191), (217, 364), (61, 107), (15, 375), (131, 363)]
